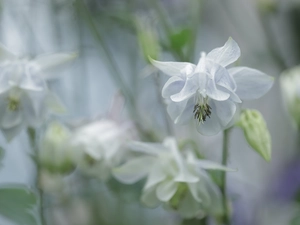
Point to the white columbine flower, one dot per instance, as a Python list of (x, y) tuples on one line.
[(290, 87), (99, 147), (24, 97), (179, 182), (209, 91)]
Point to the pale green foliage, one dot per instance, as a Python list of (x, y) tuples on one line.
[(256, 132), (18, 204)]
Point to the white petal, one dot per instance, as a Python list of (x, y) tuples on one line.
[(184, 174), (215, 93), (6, 55), (190, 208), (210, 165), (166, 190), (176, 108), (172, 68), (189, 89), (193, 187), (156, 175), (212, 125), (223, 78), (12, 132), (48, 61), (134, 170), (147, 148), (173, 86), (11, 118), (186, 114), (225, 111), (149, 197), (225, 55), (251, 83)]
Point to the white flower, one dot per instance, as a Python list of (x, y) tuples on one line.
[(99, 146), (55, 154), (24, 97), (178, 182), (209, 91), (290, 87)]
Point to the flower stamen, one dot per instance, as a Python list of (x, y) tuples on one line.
[(201, 111)]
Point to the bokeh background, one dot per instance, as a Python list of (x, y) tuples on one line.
[(268, 33)]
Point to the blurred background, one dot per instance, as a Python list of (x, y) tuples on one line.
[(113, 38)]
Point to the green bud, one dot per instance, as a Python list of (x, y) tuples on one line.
[(55, 154), (256, 132), (147, 38)]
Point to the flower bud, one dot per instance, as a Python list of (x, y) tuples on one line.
[(290, 87), (256, 132), (55, 153)]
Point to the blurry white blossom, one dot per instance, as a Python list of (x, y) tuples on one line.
[(290, 88), (55, 154), (24, 97), (209, 91), (176, 180), (100, 146)]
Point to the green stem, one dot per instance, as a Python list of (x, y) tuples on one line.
[(226, 216), (32, 137)]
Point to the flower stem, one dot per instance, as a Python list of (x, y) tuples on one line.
[(32, 139), (226, 215)]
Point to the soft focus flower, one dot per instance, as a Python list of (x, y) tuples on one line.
[(55, 154), (24, 97), (290, 87), (179, 182), (99, 147), (209, 91)]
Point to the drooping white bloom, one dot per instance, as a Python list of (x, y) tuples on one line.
[(290, 87), (178, 182), (209, 91), (24, 97), (100, 146)]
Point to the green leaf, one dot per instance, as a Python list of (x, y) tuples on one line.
[(179, 39), (256, 132), (19, 204)]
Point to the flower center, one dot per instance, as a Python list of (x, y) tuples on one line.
[(202, 110), (13, 103)]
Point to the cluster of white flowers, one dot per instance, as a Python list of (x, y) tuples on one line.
[(209, 91), (177, 180), (24, 97)]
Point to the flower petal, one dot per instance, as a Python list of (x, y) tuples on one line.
[(10, 133), (251, 83), (172, 68), (210, 165), (156, 175), (11, 118), (189, 89), (215, 93), (149, 197), (166, 190), (172, 86), (190, 208), (212, 125), (225, 55), (186, 114), (134, 170), (153, 149), (184, 174), (175, 109), (225, 111), (48, 61)]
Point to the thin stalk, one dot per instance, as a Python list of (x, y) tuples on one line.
[(226, 216), (32, 137)]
